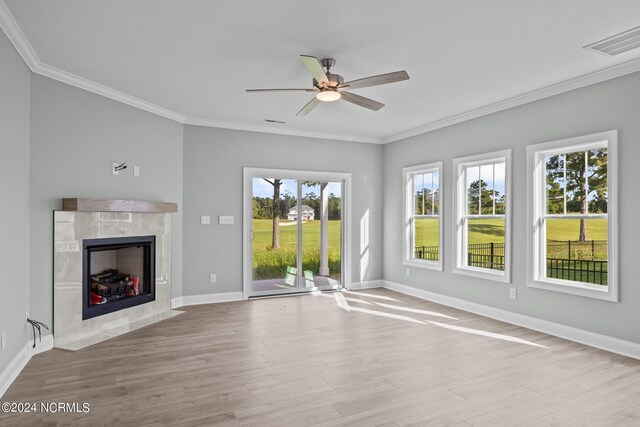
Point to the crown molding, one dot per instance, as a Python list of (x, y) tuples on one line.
[(107, 92), (545, 92), (279, 131), (24, 48), (17, 37)]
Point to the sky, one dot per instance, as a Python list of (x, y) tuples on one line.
[(261, 188), (488, 175)]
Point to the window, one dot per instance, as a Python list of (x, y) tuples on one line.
[(422, 216), (482, 216), (572, 194)]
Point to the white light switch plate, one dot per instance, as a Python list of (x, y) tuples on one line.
[(136, 171), (225, 220), (205, 219)]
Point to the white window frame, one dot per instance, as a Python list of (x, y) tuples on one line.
[(408, 214), (460, 249), (536, 212)]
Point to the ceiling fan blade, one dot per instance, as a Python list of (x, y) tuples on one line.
[(280, 90), (315, 68), (307, 108), (362, 101), (378, 80)]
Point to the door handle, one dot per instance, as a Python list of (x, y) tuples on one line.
[(252, 235)]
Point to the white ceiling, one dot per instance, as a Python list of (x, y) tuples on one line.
[(195, 58)]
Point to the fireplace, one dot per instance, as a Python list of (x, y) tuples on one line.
[(117, 273)]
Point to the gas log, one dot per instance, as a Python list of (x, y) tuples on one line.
[(111, 283)]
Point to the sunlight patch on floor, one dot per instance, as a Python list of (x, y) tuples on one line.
[(343, 303), (371, 295), (485, 334), (415, 310)]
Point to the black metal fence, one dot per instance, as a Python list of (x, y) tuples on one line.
[(431, 253), (589, 271), (486, 255), (566, 259)]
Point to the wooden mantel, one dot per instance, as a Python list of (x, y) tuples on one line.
[(108, 205)]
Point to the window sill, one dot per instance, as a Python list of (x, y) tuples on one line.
[(585, 290), (427, 265), (483, 274)]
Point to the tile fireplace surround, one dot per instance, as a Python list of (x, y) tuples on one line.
[(70, 229)]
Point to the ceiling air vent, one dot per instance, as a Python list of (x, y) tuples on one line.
[(617, 44)]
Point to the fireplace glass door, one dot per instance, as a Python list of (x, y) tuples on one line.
[(118, 273)]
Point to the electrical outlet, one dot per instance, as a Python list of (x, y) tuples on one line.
[(136, 171), (113, 168), (408, 272), (205, 219), (513, 293), (3, 340), (212, 278)]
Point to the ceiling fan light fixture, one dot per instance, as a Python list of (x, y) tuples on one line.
[(328, 96)]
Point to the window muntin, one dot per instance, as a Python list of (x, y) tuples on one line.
[(423, 225), (576, 182), (572, 190), (481, 233), (483, 224), (575, 221)]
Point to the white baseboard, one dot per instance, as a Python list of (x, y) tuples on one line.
[(206, 299), (41, 346), (11, 372), (366, 285), (17, 364), (604, 342)]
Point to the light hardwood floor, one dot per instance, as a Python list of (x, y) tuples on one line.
[(366, 358)]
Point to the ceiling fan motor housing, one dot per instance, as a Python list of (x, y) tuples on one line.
[(334, 81)]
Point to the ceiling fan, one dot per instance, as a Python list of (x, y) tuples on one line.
[(331, 87)]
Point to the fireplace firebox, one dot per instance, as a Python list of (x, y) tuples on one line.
[(117, 273)]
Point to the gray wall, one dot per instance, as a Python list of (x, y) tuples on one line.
[(610, 105), (14, 188), (213, 162), (75, 136)]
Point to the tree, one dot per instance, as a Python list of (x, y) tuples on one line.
[(334, 207), (427, 201), (573, 179), (481, 199), (275, 235), (313, 201)]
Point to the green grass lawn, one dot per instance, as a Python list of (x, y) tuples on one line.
[(569, 229), (272, 263), (480, 231), (492, 230), (559, 232)]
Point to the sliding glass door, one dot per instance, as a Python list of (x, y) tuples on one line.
[(321, 239), (295, 231), (274, 235)]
